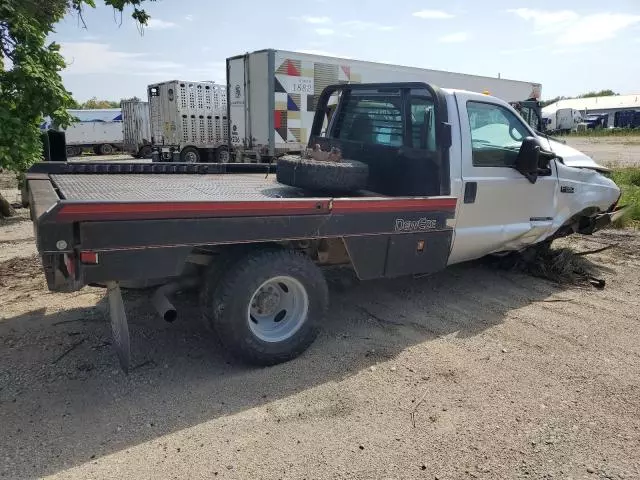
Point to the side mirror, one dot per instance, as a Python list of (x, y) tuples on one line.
[(528, 158)]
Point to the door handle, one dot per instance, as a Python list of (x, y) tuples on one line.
[(470, 192)]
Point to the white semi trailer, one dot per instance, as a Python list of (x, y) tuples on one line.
[(561, 120), (136, 128), (272, 95), (98, 129), (189, 121)]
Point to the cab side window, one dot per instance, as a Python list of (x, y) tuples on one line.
[(496, 135)]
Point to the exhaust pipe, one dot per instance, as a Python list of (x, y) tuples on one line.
[(160, 299)]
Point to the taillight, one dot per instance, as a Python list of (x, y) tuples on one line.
[(89, 258)]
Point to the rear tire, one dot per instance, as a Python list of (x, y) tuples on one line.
[(190, 155), (145, 151), (73, 151), (106, 149), (222, 155), (323, 176), (266, 307)]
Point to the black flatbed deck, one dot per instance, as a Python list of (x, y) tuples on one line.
[(143, 224), (172, 187)]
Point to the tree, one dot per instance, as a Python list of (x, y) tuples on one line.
[(132, 99), (601, 93), (94, 103), (30, 83)]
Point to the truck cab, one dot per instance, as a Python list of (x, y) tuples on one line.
[(419, 140)]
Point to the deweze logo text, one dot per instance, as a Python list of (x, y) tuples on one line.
[(403, 225)]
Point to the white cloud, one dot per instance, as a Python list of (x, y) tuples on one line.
[(90, 58), (457, 37), (362, 25), (570, 28), (315, 20), (214, 71), (433, 14), (325, 31), (157, 24), (188, 18), (513, 51), (544, 20)]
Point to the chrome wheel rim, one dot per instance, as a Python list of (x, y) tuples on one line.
[(277, 309)]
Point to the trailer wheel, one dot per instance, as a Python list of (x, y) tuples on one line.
[(106, 149), (266, 308), (73, 151), (222, 154), (343, 176), (190, 155), (145, 151)]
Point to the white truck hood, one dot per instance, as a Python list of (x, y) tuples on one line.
[(572, 157)]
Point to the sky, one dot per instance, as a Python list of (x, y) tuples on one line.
[(581, 46)]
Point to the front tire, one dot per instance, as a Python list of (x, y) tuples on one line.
[(266, 308)]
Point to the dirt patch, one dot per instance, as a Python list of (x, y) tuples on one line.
[(475, 372), (621, 151)]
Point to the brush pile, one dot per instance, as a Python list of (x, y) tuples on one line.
[(559, 265)]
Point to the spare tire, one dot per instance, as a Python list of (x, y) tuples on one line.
[(343, 176)]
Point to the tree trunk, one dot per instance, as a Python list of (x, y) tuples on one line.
[(6, 210)]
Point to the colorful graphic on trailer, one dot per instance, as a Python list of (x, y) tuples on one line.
[(298, 84)]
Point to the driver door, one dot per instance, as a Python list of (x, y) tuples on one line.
[(500, 209)]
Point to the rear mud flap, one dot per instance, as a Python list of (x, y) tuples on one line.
[(119, 325)]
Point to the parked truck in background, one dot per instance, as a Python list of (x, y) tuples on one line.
[(272, 95), (99, 130), (627, 119), (562, 120), (136, 128), (189, 121)]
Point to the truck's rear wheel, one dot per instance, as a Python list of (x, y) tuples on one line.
[(190, 155), (267, 306)]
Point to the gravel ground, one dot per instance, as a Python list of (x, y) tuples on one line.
[(470, 373), (610, 151)]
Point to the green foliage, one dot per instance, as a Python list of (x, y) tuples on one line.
[(601, 93), (606, 132), (628, 179), (94, 103), (30, 83)]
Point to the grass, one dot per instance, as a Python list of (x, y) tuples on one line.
[(628, 179)]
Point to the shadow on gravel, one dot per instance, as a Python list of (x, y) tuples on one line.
[(64, 401)]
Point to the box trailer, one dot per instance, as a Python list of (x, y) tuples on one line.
[(273, 93), (562, 119), (189, 121), (136, 128), (101, 136)]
